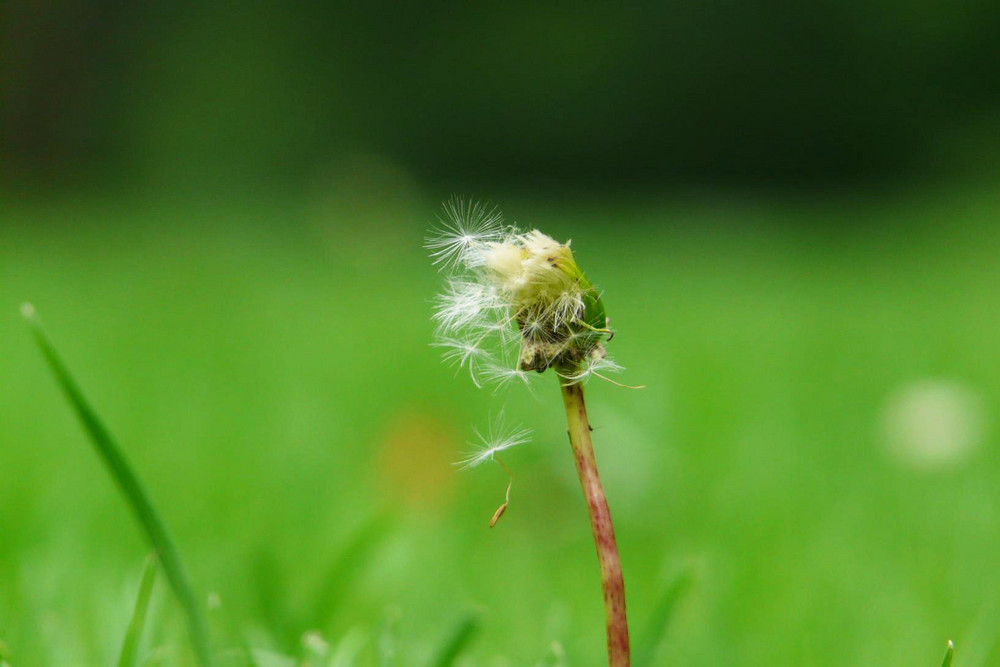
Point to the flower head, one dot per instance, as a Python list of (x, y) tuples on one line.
[(513, 299)]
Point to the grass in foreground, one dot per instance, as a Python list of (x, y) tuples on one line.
[(131, 488)]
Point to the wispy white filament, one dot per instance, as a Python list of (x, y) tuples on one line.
[(592, 367), (465, 353), (506, 375), (465, 227), (464, 303), (499, 437)]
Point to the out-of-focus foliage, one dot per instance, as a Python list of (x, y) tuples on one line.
[(690, 90)]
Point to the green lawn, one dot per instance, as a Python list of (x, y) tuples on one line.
[(267, 368)]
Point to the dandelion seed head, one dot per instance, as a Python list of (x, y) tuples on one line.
[(508, 288)]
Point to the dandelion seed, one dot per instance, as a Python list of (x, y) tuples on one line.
[(464, 353), (591, 367), (499, 437), (465, 227), (566, 308), (599, 368), (505, 375), (464, 303)]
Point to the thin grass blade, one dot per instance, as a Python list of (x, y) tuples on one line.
[(349, 648), (949, 654), (269, 585), (130, 486), (387, 639), (249, 659), (645, 650), (344, 570), (461, 636), (556, 656), (130, 647)]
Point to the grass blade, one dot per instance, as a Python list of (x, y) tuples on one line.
[(387, 639), (130, 647), (556, 656), (349, 648), (949, 654), (268, 584), (131, 488), (645, 651), (351, 561), (463, 633)]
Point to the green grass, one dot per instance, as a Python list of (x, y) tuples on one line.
[(266, 368), (130, 647), (134, 495)]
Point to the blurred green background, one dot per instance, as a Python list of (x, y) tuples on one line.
[(219, 209)]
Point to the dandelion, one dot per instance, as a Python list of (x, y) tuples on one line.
[(512, 289), (520, 297)]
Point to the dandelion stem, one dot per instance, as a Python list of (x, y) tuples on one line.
[(612, 580)]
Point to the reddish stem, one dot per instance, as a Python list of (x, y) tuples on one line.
[(612, 580)]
